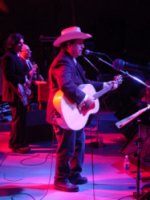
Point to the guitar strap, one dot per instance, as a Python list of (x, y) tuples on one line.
[(29, 64)]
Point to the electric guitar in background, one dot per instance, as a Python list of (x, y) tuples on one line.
[(24, 90), (71, 117)]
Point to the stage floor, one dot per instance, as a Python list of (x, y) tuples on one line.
[(30, 176)]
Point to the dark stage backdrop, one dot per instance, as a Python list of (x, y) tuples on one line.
[(120, 28)]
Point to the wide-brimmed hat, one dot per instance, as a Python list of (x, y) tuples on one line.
[(71, 33)]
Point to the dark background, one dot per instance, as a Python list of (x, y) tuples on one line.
[(120, 28)]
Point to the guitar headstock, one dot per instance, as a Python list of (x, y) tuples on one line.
[(118, 79)]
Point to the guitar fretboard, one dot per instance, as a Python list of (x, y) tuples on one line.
[(102, 92)]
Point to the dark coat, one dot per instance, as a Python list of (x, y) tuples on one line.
[(13, 72), (66, 75)]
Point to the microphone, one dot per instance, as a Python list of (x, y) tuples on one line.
[(120, 64), (89, 52)]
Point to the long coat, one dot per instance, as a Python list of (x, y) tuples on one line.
[(13, 72), (66, 75)]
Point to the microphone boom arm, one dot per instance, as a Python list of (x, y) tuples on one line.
[(119, 63), (105, 62), (134, 78), (124, 72), (91, 63)]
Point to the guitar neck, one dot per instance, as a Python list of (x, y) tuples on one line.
[(118, 80), (102, 92)]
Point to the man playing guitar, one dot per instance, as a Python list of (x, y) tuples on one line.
[(33, 75), (14, 73), (65, 77)]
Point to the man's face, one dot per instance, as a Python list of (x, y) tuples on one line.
[(76, 48), (18, 47), (26, 52)]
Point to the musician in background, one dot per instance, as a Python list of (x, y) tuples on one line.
[(66, 74), (26, 56), (14, 72)]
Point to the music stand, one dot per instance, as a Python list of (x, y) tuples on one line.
[(124, 122)]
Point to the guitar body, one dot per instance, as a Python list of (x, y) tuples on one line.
[(24, 92), (71, 118)]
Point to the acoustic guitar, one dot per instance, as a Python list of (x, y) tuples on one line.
[(71, 117)]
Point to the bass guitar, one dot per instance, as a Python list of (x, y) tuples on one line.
[(24, 90), (71, 117)]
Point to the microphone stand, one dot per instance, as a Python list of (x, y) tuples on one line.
[(126, 73), (91, 63), (105, 62), (94, 144), (134, 78)]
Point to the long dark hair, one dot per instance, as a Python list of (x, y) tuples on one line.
[(12, 40)]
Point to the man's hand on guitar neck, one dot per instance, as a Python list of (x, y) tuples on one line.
[(114, 84), (111, 84)]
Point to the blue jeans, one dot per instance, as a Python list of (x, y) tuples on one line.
[(70, 152)]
